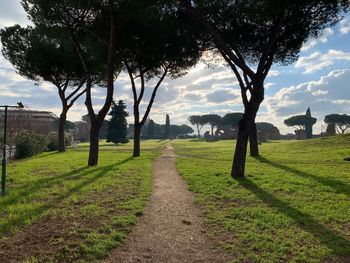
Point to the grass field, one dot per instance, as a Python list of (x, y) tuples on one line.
[(57, 208), (293, 206)]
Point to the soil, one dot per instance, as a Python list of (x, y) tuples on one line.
[(171, 229)]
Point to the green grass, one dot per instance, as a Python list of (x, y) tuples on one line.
[(97, 206), (293, 205)]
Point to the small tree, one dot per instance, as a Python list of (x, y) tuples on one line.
[(167, 127), (164, 44), (213, 120), (341, 122), (198, 122), (117, 130)]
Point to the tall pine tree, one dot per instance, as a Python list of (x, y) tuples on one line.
[(118, 127), (167, 127)]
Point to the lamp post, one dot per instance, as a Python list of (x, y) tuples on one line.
[(4, 161)]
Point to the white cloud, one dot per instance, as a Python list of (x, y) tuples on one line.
[(344, 26), (273, 73), (317, 61), (222, 95), (323, 38), (327, 95)]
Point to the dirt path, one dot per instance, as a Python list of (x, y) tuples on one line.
[(171, 228)]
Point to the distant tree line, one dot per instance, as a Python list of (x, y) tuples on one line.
[(337, 123), (153, 130), (226, 127)]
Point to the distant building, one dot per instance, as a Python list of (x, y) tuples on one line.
[(37, 121)]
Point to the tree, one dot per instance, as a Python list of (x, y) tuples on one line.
[(302, 122), (38, 54), (156, 52), (167, 127), (117, 130), (198, 122), (213, 120), (231, 120), (151, 129), (93, 27), (177, 130), (341, 121), (251, 36)]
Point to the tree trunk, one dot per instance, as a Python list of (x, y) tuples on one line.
[(246, 131), (253, 140), (137, 141), (238, 165), (94, 144), (61, 132), (212, 130)]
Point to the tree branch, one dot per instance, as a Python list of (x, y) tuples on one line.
[(150, 104)]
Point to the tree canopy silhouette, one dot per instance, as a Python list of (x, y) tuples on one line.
[(40, 54), (341, 121)]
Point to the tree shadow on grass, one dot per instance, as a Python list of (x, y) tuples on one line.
[(330, 238), (337, 186), (15, 221)]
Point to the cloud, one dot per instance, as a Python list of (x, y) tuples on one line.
[(273, 73), (222, 95), (193, 97), (11, 12), (344, 26), (327, 95), (317, 61), (323, 38)]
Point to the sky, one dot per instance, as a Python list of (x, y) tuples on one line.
[(319, 79)]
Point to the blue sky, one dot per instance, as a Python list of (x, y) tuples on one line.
[(320, 79)]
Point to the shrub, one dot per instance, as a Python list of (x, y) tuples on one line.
[(29, 144), (52, 141)]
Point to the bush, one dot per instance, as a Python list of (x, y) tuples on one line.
[(52, 141), (29, 144)]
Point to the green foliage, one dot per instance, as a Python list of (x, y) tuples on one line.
[(262, 126), (300, 120), (29, 144), (156, 47), (52, 141), (180, 130), (41, 54), (212, 119), (291, 207), (117, 130), (151, 129), (341, 121), (69, 125), (231, 119), (198, 121), (251, 27), (167, 128)]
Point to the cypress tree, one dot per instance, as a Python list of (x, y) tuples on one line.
[(118, 127), (167, 127)]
